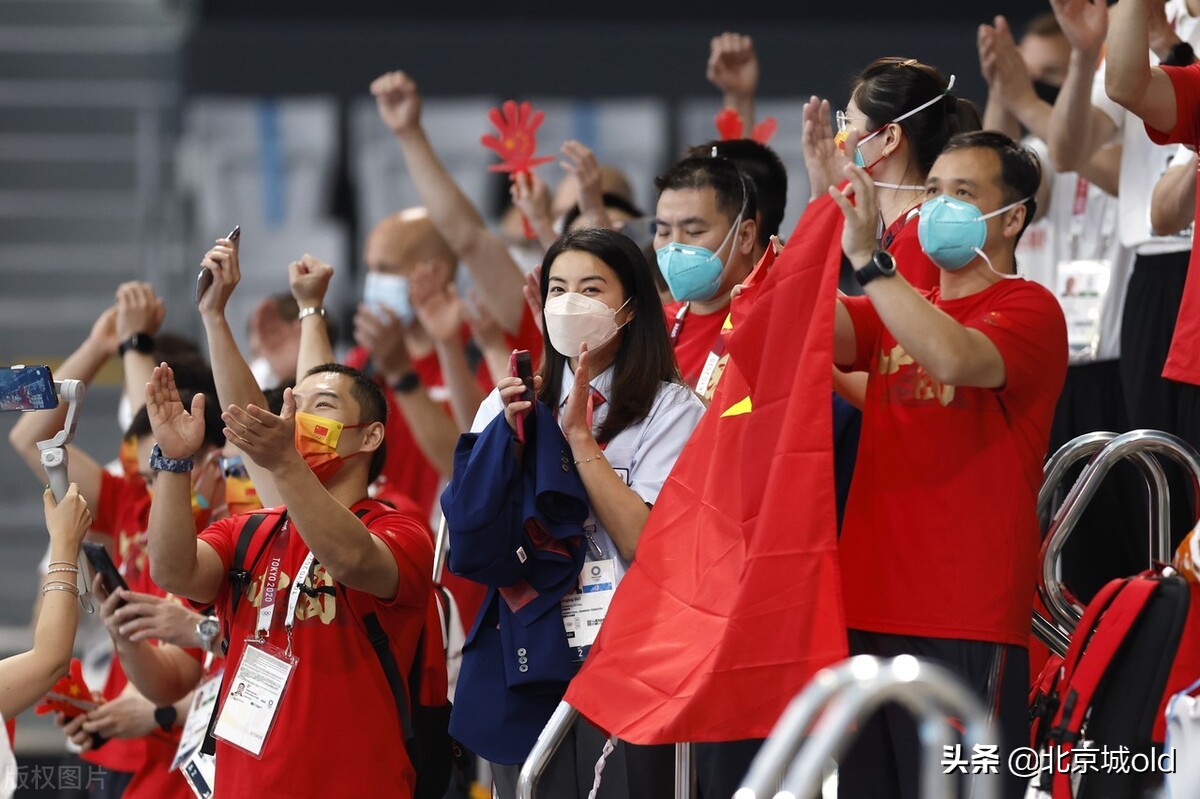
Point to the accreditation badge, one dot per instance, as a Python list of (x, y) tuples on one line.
[(1082, 288), (583, 611), (255, 694)]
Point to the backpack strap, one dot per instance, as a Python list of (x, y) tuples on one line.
[(1086, 627), (1109, 636), (391, 670), (387, 661), (239, 578), (1044, 696)]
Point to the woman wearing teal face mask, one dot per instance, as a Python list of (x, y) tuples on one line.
[(904, 112)]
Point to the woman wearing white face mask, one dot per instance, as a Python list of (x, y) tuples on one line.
[(610, 377)]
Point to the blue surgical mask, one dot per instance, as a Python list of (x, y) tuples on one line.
[(694, 273), (389, 291), (952, 231)]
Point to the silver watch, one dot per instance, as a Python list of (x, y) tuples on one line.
[(207, 630)]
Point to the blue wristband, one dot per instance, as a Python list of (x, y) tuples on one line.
[(159, 463)]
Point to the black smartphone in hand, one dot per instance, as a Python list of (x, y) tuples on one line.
[(103, 565)]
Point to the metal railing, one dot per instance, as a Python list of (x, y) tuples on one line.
[(555, 732), (795, 757), (1144, 447), (1158, 504)]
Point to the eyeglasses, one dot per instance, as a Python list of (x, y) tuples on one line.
[(843, 121), (234, 467)]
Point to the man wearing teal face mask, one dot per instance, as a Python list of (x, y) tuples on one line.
[(705, 239), (939, 546)]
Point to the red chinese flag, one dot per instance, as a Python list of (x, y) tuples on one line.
[(734, 601)]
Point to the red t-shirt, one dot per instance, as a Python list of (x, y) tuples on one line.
[(940, 537), (122, 511), (902, 242), (698, 334), (406, 468), (1183, 360), (337, 724)]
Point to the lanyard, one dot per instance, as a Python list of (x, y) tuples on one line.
[(888, 236), (677, 328), (1079, 208), (706, 385), (270, 595)]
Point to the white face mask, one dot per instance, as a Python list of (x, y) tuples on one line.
[(124, 413), (573, 320)]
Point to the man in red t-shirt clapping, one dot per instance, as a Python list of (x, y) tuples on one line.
[(939, 545)]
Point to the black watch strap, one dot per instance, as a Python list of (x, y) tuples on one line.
[(165, 717), (882, 264), (408, 383), (138, 342)]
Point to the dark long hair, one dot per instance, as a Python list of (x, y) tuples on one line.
[(892, 86), (644, 359)]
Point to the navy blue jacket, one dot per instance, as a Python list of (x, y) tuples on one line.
[(517, 528)]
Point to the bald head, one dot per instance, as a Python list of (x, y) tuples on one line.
[(403, 240), (612, 181)]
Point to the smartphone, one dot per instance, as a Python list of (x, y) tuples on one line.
[(205, 278), (102, 564), (520, 364), (27, 388)]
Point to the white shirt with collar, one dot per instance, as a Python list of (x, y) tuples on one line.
[(641, 454)]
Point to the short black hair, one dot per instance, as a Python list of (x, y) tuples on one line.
[(372, 406), (765, 170), (140, 426), (611, 200), (274, 397), (191, 369), (1020, 168), (719, 174)]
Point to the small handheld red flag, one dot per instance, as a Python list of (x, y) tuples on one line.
[(69, 696)]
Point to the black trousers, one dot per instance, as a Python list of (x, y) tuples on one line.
[(1151, 305), (883, 762), (630, 772)]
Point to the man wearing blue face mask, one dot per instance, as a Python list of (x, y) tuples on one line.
[(939, 545), (705, 239)]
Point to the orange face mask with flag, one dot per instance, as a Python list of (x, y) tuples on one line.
[(317, 439), (240, 493), (129, 457)]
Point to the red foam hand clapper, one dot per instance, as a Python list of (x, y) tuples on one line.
[(730, 126), (517, 141)]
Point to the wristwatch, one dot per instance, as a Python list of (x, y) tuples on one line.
[(165, 717), (138, 342), (207, 630), (409, 382), (159, 463), (882, 264)]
